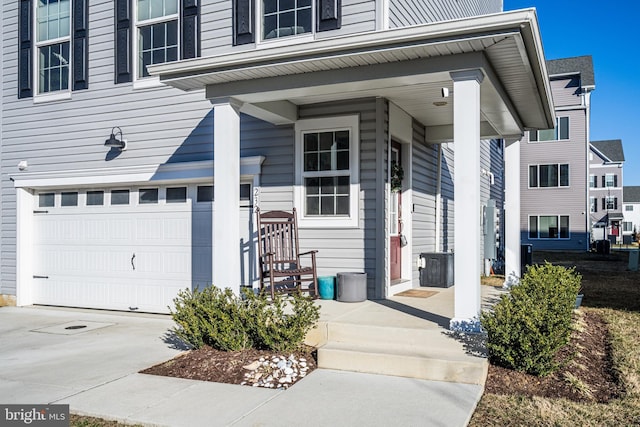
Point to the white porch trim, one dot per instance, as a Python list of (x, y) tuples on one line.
[(512, 227), (226, 215), (466, 131)]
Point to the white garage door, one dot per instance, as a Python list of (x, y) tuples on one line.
[(121, 248)]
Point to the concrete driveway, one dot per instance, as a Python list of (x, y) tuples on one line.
[(47, 354)]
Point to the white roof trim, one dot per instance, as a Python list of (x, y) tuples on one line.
[(129, 175)]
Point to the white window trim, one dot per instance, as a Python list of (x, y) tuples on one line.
[(150, 81), (556, 130), (539, 187), (261, 42), (57, 95), (552, 239), (606, 180), (351, 123)]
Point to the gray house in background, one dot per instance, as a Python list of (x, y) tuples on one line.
[(554, 163), (606, 160), (630, 210), (302, 108)]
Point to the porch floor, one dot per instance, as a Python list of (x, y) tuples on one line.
[(403, 336)]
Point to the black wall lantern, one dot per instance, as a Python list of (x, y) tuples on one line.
[(113, 142)]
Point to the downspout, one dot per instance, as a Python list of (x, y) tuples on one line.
[(438, 197)]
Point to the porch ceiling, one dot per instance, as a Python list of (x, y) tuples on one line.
[(409, 66)]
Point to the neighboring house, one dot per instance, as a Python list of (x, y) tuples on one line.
[(554, 162), (606, 159), (301, 108), (630, 210)]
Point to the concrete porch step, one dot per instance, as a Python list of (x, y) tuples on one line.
[(404, 361)]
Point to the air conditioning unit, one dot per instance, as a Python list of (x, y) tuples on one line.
[(437, 269)]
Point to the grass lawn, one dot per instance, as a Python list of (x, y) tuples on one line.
[(614, 293)]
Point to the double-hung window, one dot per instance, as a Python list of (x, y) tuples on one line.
[(53, 29), (628, 208), (549, 227), (157, 24), (559, 132), (554, 175), (282, 18), (593, 203), (326, 191), (610, 203), (53, 37), (593, 181), (610, 180)]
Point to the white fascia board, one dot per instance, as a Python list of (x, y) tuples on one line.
[(183, 172)]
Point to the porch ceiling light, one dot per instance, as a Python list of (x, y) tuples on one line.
[(440, 103), (113, 142)]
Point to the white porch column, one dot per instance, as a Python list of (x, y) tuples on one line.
[(226, 214), (512, 212), (467, 222), (24, 247)]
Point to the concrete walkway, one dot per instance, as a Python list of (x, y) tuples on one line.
[(94, 369)]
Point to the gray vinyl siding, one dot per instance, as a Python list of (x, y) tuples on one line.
[(492, 161), (447, 235), (352, 249), (572, 200), (409, 12), (69, 134), (566, 91), (424, 176)]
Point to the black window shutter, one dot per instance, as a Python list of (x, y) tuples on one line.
[(615, 203), (190, 29), (329, 14), (604, 181), (25, 47), (123, 71), (243, 22), (604, 204), (80, 44), (615, 180)]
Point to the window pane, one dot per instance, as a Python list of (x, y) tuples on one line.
[(533, 135), (342, 205), (120, 197), (628, 208), (563, 125), (548, 175), (53, 66), (547, 135), (245, 191), (564, 175), (46, 200), (283, 18), (312, 206), (533, 176), (312, 185), (157, 44), (205, 193), (564, 227), (310, 162), (533, 227), (95, 198), (327, 205), (592, 181), (310, 142), (176, 194), (287, 5), (270, 6), (548, 227), (148, 195), (303, 21), (69, 198), (609, 182), (52, 18), (143, 10)]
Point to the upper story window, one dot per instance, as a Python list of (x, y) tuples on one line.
[(560, 132), (152, 32), (628, 208), (157, 24), (282, 18), (327, 172), (52, 48), (543, 176), (53, 31), (593, 204), (610, 180), (593, 181), (610, 203)]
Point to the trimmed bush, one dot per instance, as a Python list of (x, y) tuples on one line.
[(224, 321), (528, 326)]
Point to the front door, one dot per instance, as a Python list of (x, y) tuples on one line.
[(395, 209)]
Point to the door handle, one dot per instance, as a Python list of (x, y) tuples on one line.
[(133, 257)]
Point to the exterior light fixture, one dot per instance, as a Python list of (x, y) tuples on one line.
[(113, 142), (440, 103)]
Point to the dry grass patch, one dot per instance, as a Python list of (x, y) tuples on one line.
[(496, 280)]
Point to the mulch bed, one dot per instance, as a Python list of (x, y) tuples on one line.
[(209, 364), (587, 358)]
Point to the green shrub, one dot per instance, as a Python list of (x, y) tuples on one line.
[(530, 324), (227, 322)]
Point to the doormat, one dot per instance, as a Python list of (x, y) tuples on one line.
[(417, 293)]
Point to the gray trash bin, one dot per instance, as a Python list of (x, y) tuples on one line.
[(352, 287)]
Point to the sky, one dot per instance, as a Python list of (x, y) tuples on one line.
[(608, 31)]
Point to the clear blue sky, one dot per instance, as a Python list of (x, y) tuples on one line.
[(608, 31)]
